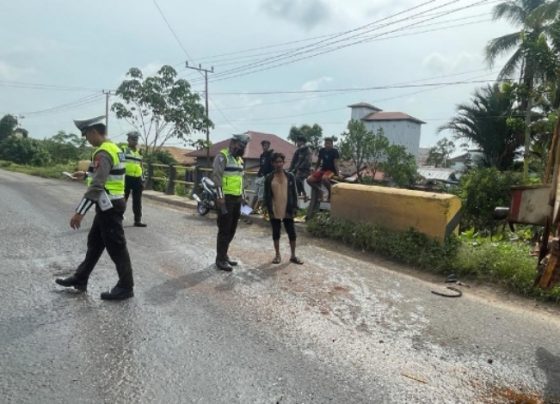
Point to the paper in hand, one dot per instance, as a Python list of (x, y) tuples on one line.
[(246, 210)]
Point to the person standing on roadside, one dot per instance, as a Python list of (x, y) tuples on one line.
[(134, 179), (227, 174), (301, 165), (105, 179), (280, 198)]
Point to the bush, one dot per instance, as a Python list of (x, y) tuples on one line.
[(24, 151), (481, 190)]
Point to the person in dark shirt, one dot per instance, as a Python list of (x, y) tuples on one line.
[(265, 168), (301, 165), (326, 168)]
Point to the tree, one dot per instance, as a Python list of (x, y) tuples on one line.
[(438, 156), (7, 125), (65, 147), (160, 107), (532, 56), (363, 147), (400, 165), (492, 123), (313, 135)]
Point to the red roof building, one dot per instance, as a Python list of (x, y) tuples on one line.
[(252, 152)]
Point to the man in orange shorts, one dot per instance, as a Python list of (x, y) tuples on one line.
[(326, 168)]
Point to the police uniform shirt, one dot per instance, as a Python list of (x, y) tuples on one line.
[(102, 165), (218, 168)]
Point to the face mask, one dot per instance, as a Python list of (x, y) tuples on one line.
[(239, 151)]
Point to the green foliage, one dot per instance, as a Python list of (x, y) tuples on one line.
[(7, 125), (160, 157), (490, 123), (400, 166), (363, 147), (51, 171), (481, 190), (506, 263), (438, 156), (161, 107), (24, 151), (313, 135), (66, 147)]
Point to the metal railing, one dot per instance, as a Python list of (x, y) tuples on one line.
[(172, 174)]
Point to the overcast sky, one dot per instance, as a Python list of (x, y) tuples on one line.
[(57, 56)]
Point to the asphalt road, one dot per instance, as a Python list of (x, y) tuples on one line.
[(343, 328)]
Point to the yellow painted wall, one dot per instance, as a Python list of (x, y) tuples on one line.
[(396, 209)]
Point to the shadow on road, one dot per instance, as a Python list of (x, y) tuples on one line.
[(550, 364)]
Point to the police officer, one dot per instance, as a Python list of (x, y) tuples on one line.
[(105, 179), (134, 179), (228, 177)]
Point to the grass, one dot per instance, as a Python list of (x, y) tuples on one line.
[(53, 171), (503, 262)]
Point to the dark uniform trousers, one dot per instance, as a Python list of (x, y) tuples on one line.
[(107, 232), (227, 225), (134, 184)]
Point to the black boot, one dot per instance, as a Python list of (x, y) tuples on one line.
[(117, 293), (73, 281), (231, 262), (140, 224), (224, 265)]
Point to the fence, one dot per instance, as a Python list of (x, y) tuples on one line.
[(166, 177)]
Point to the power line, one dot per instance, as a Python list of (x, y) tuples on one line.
[(66, 106), (305, 53), (242, 58), (41, 86)]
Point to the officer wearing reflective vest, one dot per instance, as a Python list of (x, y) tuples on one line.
[(105, 180), (227, 174), (134, 179)]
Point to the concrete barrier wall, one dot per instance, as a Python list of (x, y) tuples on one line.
[(435, 215)]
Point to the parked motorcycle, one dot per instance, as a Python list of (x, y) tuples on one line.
[(208, 197)]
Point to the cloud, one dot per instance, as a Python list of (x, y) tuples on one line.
[(308, 13), (316, 83), (11, 72), (438, 63)]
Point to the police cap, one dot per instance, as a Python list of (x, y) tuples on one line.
[(241, 138), (133, 135), (84, 124)]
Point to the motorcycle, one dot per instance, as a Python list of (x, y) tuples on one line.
[(207, 199)]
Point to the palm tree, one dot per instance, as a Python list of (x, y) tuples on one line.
[(490, 123), (532, 57)]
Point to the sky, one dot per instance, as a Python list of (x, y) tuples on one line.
[(57, 58)]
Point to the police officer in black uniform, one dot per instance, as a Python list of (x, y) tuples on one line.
[(105, 179), (228, 176)]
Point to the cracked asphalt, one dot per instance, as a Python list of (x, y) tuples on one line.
[(344, 327)]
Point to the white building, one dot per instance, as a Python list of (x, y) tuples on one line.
[(398, 127)]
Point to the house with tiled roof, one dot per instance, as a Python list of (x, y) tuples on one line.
[(252, 152), (398, 127)]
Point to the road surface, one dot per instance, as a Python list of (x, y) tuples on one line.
[(344, 327)]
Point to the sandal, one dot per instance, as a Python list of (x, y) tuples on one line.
[(296, 260), (276, 260)]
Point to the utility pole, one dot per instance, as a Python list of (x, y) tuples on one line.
[(206, 71), (107, 94)]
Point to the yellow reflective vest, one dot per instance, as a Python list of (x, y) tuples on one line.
[(232, 180), (115, 181), (133, 162)]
